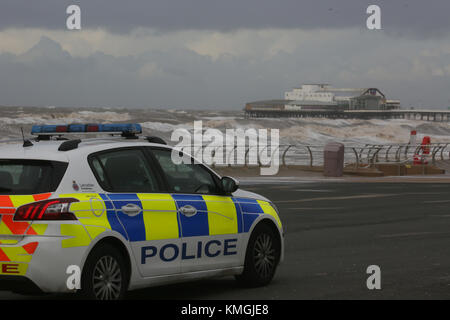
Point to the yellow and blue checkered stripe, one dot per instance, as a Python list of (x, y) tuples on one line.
[(160, 217), (134, 226), (96, 213), (250, 211)]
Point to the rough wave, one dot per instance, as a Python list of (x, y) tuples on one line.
[(292, 131)]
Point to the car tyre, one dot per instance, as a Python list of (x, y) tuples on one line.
[(105, 275), (261, 258)]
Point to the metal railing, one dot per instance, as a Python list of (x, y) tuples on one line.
[(309, 155)]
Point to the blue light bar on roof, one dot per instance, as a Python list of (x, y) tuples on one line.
[(124, 128)]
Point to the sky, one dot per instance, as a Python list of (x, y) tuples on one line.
[(209, 54)]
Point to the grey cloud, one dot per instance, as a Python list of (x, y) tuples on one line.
[(401, 17), (48, 75)]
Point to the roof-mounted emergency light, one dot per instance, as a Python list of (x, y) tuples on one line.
[(126, 129)]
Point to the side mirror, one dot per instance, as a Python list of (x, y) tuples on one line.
[(229, 184)]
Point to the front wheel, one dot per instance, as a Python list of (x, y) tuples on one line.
[(104, 275), (262, 257)]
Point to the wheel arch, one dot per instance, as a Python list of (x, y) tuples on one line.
[(273, 224), (269, 220), (116, 242)]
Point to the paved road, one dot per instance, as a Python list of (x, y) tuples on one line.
[(334, 231)]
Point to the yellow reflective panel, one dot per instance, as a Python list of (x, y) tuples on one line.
[(268, 209), (94, 231), (13, 269), (222, 216), (18, 201), (81, 209), (39, 228), (91, 210), (160, 216), (8, 241), (17, 254), (4, 229), (78, 236)]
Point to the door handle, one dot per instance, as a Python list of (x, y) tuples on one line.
[(188, 211), (131, 209)]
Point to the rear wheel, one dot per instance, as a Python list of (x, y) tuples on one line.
[(104, 275), (262, 257)]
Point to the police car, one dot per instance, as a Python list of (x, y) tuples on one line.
[(120, 214)]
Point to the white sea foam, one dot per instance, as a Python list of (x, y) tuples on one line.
[(296, 131), (161, 126)]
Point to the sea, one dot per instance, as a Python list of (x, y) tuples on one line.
[(162, 123)]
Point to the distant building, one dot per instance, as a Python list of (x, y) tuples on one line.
[(266, 105), (393, 104), (321, 96)]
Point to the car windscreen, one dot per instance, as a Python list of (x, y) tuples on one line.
[(19, 176)]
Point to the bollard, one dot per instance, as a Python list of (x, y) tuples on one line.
[(333, 160), (412, 137)]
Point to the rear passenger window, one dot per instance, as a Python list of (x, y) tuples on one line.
[(186, 177), (123, 171)]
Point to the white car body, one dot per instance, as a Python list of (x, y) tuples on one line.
[(53, 246)]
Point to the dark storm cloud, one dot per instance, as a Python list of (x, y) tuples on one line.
[(48, 75), (424, 18)]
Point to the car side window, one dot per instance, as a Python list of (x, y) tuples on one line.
[(97, 166), (185, 177), (123, 171)]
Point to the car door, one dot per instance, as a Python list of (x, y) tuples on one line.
[(148, 215), (210, 222)]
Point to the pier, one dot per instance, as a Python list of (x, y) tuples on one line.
[(426, 115)]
